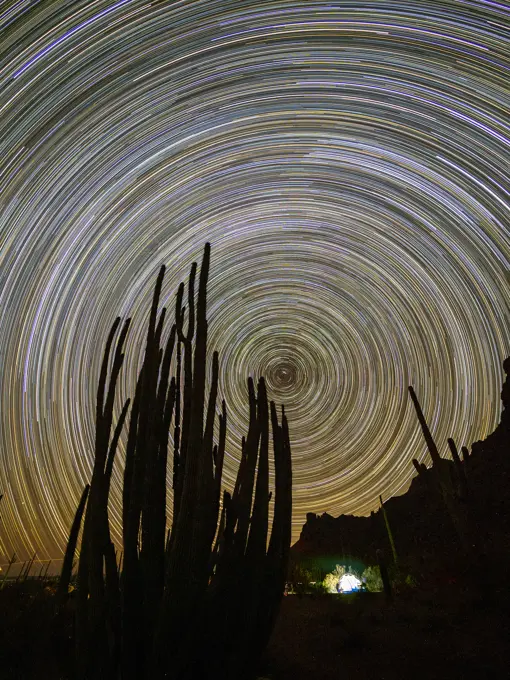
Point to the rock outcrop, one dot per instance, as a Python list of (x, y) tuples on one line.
[(422, 527), (500, 438)]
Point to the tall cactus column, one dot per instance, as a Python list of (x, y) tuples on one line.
[(443, 479), (185, 584)]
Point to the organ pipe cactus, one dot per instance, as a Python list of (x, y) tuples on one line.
[(29, 567), (442, 476), (11, 562), (460, 471), (186, 582), (67, 566), (431, 445), (389, 532), (420, 467), (46, 570), (21, 571), (96, 622)]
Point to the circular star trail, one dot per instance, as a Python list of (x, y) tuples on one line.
[(348, 163)]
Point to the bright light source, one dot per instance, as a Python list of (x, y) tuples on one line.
[(349, 583)]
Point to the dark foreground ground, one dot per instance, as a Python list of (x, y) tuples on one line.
[(436, 635), (448, 633)]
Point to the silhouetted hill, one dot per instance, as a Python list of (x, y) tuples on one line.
[(423, 530)]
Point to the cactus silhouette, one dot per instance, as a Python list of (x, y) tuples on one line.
[(215, 573), (67, 565), (443, 483)]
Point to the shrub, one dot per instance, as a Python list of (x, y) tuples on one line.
[(331, 580), (372, 577)]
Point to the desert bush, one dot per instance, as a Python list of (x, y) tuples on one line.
[(331, 580), (372, 577)]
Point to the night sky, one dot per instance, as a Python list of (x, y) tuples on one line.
[(348, 163)]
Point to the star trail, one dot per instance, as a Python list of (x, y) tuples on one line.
[(348, 163)]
